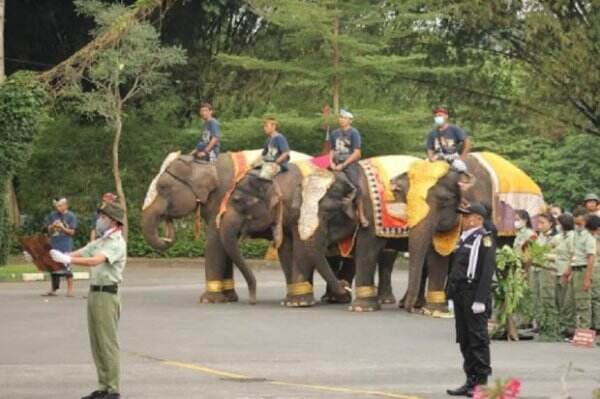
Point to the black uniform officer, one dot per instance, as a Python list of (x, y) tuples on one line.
[(472, 267)]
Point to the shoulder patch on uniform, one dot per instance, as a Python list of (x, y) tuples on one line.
[(487, 241)]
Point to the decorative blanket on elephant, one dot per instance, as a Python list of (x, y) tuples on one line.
[(389, 215), (152, 193), (513, 190), (314, 187), (242, 161), (421, 177), (317, 179)]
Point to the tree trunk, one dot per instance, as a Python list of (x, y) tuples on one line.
[(2, 77), (116, 168), (14, 217), (336, 65)]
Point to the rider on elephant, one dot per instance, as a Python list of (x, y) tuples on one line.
[(447, 142), (345, 153), (207, 148), (276, 151)]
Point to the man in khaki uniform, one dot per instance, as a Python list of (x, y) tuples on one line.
[(106, 256), (581, 271), (593, 225)]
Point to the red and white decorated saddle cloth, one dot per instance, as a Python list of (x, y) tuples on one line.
[(388, 214)]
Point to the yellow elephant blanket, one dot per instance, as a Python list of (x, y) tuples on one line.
[(389, 216), (513, 189)]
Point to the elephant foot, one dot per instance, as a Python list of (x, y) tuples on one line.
[(365, 305), (299, 301), (387, 299), (213, 297), (230, 295), (330, 297)]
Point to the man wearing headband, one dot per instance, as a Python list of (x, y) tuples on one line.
[(345, 153), (61, 225), (447, 142), (106, 256)]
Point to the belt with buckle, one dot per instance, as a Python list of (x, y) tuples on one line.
[(113, 289)]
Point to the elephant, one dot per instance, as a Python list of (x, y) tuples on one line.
[(336, 213), (190, 186), (267, 208), (443, 199), (337, 221)]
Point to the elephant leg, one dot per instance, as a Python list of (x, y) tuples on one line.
[(437, 268), (367, 250), (420, 302), (386, 260), (229, 282), (215, 263), (286, 259), (300, 288)]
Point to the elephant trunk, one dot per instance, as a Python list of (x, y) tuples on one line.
[(316, 251), (229, 233), (418, 246), (151, 218)]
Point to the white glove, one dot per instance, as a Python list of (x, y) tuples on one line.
[(28, 257), (450, 305), (60, 257), (459, 165), (478, 307)]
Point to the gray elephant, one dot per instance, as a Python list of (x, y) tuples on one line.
[(187, 186), (492, 181), (267, 208)]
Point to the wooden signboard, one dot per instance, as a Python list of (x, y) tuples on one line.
[(584, 337), (39, 247)]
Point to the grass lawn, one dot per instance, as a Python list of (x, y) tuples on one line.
[(13, 272), (15, 268)]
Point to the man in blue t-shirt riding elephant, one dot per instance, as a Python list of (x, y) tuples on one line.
[(447, 142)]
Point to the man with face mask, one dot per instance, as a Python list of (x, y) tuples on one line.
[(106, 256), (447, 142), (580, 272), (469, 292)]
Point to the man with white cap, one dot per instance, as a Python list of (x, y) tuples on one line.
[(469, 291), (61, 225), (345, 153)]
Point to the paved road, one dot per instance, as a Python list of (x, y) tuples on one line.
[(175, 348)]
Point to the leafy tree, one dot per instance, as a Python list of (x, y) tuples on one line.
[(552, 46), (135, 67)]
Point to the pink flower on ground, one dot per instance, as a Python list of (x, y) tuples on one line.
[(479, 393), (512, 389)]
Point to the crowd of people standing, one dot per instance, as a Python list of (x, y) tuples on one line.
[(567, 285)]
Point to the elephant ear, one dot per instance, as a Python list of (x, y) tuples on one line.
[(206, 182)]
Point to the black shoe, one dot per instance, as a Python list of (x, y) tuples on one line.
[(467, 387), (96, 395), (112, 396), (477, 380)]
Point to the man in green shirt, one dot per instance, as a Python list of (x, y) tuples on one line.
[(581, 270), (106, 256)]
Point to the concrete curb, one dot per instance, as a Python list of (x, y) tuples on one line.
[(42, 276)]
